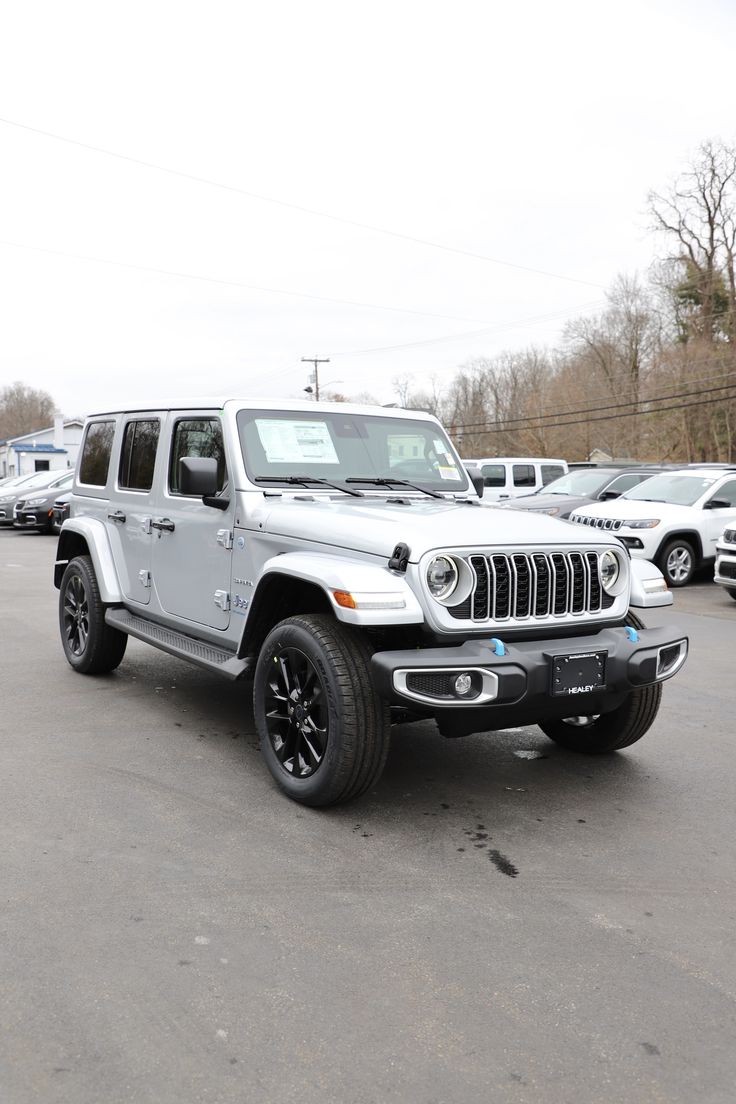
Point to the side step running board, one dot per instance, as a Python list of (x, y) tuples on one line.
[(177, 644)]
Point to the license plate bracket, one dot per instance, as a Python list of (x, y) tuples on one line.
[(578, 673)]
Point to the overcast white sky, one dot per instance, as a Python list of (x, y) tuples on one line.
[(528, 133)]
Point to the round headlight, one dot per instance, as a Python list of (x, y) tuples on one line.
[(609, 570), (442, 576)]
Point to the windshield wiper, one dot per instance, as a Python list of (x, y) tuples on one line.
[(305, 481), (382, 482)]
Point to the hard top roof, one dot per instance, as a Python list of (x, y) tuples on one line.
[(305, 406)]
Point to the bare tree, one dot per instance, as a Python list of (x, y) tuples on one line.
[(696, 215), (24, 409)]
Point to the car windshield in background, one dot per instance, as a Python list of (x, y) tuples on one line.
[(338, 446), (681, 490), (584, 481)]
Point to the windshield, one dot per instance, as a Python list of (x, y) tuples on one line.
[(682, 490), (584, 481), (336, 446)]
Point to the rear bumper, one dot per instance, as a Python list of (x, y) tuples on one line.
[(519, 683)]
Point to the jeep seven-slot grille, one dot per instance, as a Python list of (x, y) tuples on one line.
[(521, 586)]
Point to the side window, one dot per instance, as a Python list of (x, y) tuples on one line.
[(550, 472), (197, 437), (96, 452), (494, 475), (524, 475), (626, 482), (727, 491), (139, 455)]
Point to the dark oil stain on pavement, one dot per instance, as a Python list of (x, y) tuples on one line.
[(481, 840)]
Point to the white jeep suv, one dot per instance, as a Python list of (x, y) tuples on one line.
[(673, 519), (339, 558)]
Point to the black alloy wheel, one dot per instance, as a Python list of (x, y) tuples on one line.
[(297, 718), (75, 616), (324, 731), (90, 645)]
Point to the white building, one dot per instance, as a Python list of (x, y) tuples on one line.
[(49, 449)]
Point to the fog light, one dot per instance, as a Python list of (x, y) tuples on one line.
[(463, 684)]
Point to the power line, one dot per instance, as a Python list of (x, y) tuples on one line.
[(511, 325), (612, 417), (234, 283), (295, 206), (509, 422)]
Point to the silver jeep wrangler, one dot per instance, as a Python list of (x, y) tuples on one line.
[(340, 557)]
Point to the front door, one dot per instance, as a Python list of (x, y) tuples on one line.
[(722, 516), (192, 543)]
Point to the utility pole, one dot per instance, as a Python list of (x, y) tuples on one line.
[(315, 361)]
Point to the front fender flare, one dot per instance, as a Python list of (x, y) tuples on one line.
[(381, 596), (648, 586), (94, 534)]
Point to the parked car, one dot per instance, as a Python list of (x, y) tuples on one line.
[(726, 560), (278, 542), (35, 510), (60, 511), (22, 487), (510, 476), (580, 488), (673, 519)]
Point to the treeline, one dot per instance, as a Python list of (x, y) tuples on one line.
[(24, 409), (652, 376)]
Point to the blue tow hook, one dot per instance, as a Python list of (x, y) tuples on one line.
[(499, 645), (632, 634)]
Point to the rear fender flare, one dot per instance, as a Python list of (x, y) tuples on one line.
[(94, 535)]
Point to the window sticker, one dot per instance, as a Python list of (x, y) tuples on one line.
[(449, 473), (296, 442)]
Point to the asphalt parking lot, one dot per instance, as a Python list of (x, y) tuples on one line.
[(484, 926)]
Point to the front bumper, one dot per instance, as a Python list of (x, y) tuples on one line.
[(33, 519), (516, 687), (725, 572)]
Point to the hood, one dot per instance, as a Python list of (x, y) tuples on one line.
[(562, 503), (375, 526)]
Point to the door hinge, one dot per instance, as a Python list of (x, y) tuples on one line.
[(146, 525), (144, 578), (225, 538), (222, 599)]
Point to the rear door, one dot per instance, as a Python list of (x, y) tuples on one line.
[(192, 542), (130, 511)]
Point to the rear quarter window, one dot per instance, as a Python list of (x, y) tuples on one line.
[(96, 452)]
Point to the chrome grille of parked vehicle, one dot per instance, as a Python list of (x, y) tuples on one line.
[(596, 522), (523, 586)]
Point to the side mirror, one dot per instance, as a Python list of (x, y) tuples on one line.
[(717, 504), (604, 496), (198, 478), (476, 479)]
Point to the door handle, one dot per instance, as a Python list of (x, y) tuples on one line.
[(118, 515), (164, 524)]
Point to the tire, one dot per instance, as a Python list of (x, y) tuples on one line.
[(677, 562), (314, 659), (732, 592), (607, 732), (90, 645)]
